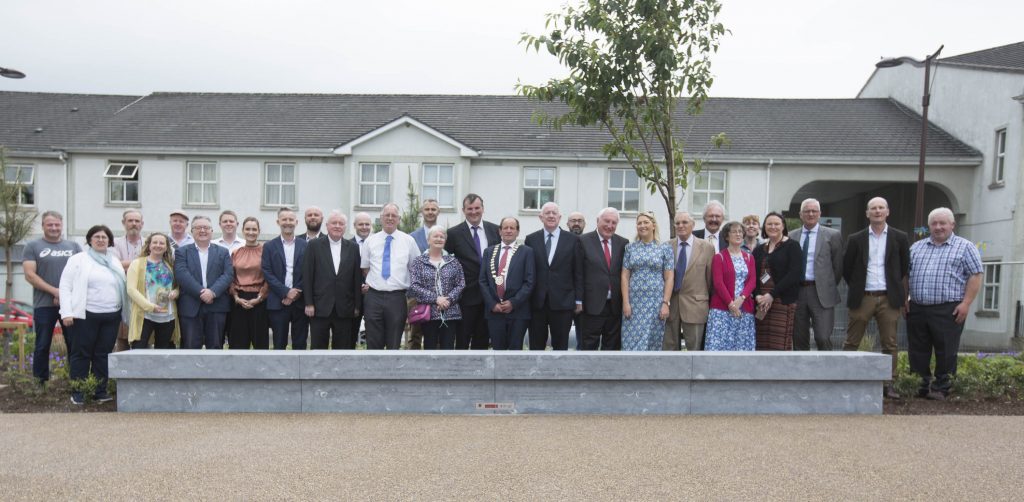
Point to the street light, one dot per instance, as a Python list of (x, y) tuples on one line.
[(11, 73), (919, 230)]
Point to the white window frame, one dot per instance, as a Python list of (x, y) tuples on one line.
[(537, 186), (280, 184), (375, 183), (122, 173), (202, 183), (697, 186), (431, 189), (990, 286), (999, 159), (24, 185), (620, 202)]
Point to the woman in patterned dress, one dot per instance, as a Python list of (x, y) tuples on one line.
[(646, 287), (731, 321), (778, 282)]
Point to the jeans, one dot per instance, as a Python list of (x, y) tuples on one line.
[(94, 339), (46, 319)]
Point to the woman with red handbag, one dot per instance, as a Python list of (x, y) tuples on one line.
[(437, 284)]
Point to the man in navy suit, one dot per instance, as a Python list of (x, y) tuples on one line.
[(467, 241), (558, 292), (429, 211), (282, 268), (714, 216), (204, 273), (506, 281)]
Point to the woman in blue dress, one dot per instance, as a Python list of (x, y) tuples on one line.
[(646, 287), (731, 320)]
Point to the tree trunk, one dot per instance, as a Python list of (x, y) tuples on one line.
[(8, 295)]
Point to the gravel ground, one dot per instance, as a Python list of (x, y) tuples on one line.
[(402, 457)]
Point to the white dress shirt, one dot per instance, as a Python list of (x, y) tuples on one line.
[(289, 261), (810, 250), (230, 246), (554, 242), (204, 260), (876, 260), (403, 250)]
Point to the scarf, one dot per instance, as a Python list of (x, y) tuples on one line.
[(118, 272)]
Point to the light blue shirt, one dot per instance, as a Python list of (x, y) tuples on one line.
[(810, 250)]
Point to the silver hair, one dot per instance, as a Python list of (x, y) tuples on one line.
[(337, 212), (808, 201), (680, 213), (715, 203), (437, 228), (201, 217), (608, 210), (546, 204), (941, 211), (392, 204), (362, 215), (51, 214)]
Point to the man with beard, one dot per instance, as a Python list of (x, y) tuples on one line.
[(714, 216), (314, 219), (577, 222), (127, 248)]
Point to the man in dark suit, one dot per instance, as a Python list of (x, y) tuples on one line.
[(558, 291), (333, 282), (506, 281), (362, 225), (204, 273), (282, 268), (467, 241), (602, 251), (876, 266), (714, 216), (822, 249)]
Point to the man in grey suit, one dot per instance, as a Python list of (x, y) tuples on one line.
[(822, 249)]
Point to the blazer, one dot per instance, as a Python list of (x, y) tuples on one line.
[(189, 274), (559, 285), (724, 277), (274, 269), (828, 264), (897, 266), (694, 294), (460, 244), (722, 243), (518, 283), (326, 290), (784, 263), (420, 236), (597, 277)]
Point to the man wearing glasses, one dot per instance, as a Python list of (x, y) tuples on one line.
[(203, 272), (822, 251)]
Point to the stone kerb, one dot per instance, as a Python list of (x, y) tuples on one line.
[(486, 382)]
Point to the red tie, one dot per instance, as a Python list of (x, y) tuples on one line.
[(501, 268), (608, 260)]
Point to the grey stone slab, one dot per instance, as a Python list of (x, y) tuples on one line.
[(785, 398), (813, 366), (396, 396), (212, 364), (397, 365), (592, 365), (629, 397), (209, 396)]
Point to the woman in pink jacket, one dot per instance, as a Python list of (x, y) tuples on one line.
[(731, 321)]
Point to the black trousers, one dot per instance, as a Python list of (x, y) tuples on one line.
[(473, 332), (290, 316), (248, 326), (164, 332), (507, 334), (603, 331), (932, 328), (557, 321), (439, 337), (94, 339), (331, 332), (385, 313)]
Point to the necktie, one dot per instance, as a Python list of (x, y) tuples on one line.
[(547, 248), (608, 261), (385, 267), (680, 268), (476, 242), (501, 270), (807, 249)]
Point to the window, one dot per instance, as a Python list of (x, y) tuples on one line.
[(707, 186), (1000, 157), (624, 190), (538, 186), (279, 184), (23, 177), (122, 182), (201, 183), (439, 184), (374, 184), (990, 287)]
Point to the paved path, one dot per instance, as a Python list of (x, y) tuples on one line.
[(400, 457)]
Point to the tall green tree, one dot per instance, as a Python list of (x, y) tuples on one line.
[(632, 63), (411, 215), (16, 224)]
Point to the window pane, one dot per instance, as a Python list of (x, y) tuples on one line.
[(429, 173), (28, 174), (447, 175), (717, 181), (194, 173), (445, 197), (366, 194), (195, 193), (382, 173), (615, 199), (288, 195), (209, 194), (273, 173), (700, 182), (547, 177), (615, 178), (546, 196), (382, 195), (131, 191), (699, 201), (632, 200), (531, 178), (11, 174), (116, 191), (288, 173), (273, 194), (210, 172), (112, 170), (631, 179), (366, 172), (530, 199)]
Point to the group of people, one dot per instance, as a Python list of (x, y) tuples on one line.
[(745, 285)]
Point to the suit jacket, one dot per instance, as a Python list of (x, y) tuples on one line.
[(420, 236), (327, 291), (559, 284), (693, 296), (189, 274), (460, 244), (597, 277), (897, 266), (274, 269), (722, 243), (828, 264), (302, 236), (518, 283)]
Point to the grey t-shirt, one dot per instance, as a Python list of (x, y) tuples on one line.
[(50, 260)]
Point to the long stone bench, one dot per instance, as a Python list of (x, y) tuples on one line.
[(486, 382)]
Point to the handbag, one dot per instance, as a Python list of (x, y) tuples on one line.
[(419, 313)]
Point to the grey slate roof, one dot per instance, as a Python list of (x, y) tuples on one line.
[(21, 113), (1005, 58)]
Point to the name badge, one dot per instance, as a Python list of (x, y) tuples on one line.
[(765, 277)]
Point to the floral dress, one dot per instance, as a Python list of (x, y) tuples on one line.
[(726, 332), (646, 263)]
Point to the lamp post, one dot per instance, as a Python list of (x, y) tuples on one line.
[(919, 230), (11, 73)]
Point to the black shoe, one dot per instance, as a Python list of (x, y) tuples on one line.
[(890, 392), (936, 395), (922, 392), (103, 398)]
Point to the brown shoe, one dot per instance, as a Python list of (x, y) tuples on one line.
[(890, 392)]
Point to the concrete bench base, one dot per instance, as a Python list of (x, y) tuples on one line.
[(485, 382)]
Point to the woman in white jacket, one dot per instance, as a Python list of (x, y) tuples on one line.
[(92, 294)]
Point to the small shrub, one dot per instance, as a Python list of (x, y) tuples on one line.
[(867, 344), (23, 382), (86, 386)]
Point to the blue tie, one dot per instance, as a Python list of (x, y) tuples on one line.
[(680, 268), (385, 267)]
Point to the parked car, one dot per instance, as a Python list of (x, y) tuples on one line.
[(22, 312)]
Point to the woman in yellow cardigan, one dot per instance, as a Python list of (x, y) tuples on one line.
[(152, 290)]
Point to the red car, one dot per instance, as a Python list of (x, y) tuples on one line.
[(21, 312)]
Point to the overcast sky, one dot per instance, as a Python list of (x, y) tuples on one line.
[(776, 49)]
